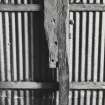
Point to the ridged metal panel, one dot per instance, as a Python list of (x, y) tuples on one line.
[(86, 52), (24, 55)]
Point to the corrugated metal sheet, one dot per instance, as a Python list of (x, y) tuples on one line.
[(24, 55), (86, 51)]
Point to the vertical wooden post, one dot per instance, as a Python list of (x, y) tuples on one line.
[(55, 12), (62, 6)]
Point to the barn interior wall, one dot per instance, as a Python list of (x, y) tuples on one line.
[(24, 55)]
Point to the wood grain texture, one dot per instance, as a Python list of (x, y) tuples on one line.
[(87, 86), (87, 7), (50, 23), (28, 85), (62, 53), (19, 7)]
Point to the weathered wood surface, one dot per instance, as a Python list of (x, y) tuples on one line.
[(87, 7), (50, 23), (55, 27), (87, 86), (62, 6), (28, 85), (19, 7)]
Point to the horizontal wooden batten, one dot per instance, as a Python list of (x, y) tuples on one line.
[(87, 86), (87, 7), (19, 7), (40, 85), (28, 85)]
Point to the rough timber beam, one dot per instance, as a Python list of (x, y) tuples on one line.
[(19, 7), (62, 7), (86, 7)]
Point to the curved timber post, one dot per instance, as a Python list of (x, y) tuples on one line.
[(55, 12), (50, 23), (62, 7)]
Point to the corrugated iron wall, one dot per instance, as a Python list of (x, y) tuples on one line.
[(86, 51), (24, 55)]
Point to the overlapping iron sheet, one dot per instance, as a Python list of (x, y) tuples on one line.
[(86, 53)]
